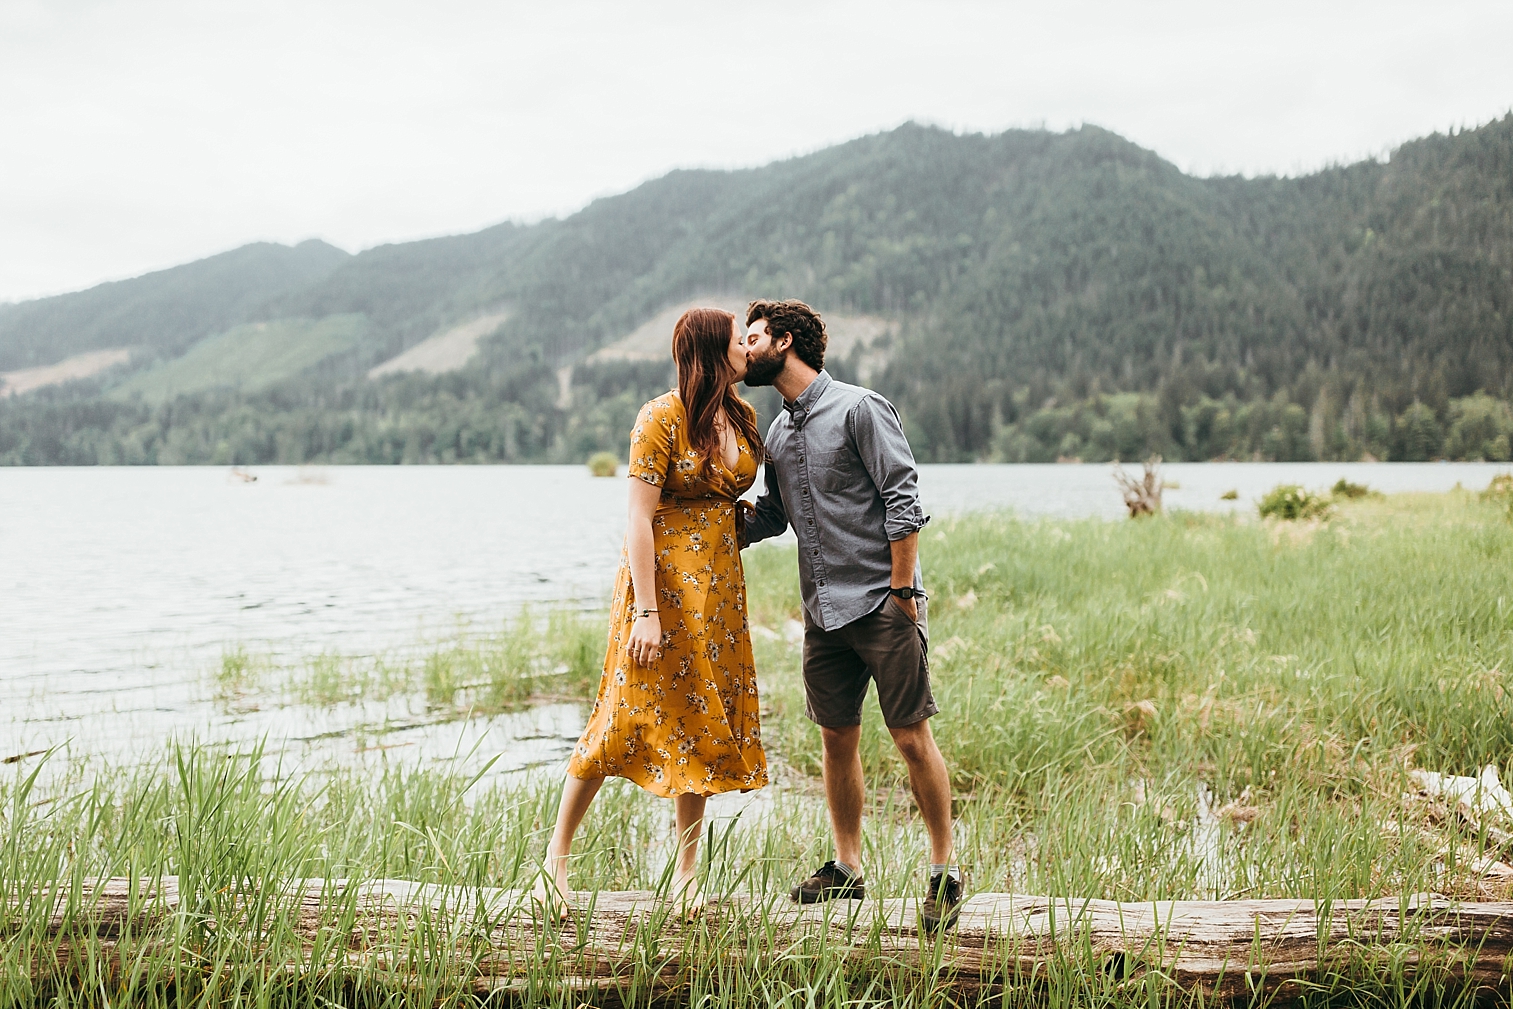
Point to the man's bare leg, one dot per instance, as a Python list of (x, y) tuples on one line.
[(842, 768), (577, 795), (930, 784)]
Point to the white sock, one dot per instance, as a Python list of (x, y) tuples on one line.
[(843, 867), (953, 870)]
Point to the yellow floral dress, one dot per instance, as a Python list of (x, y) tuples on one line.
[(689, 723)]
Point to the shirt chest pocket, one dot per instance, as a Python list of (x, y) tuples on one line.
[(837, 472)]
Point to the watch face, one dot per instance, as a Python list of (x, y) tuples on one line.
[(904, 593)]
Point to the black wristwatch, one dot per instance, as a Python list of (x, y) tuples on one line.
[(907, 592)]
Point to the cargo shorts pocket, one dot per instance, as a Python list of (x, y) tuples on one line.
[(901, 618)]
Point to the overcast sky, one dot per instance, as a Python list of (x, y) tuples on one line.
[(137, 134)]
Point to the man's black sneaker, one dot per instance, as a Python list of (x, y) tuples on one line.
[(829, 882), (942, 903)]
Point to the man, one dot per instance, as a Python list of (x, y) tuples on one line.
[(841, 473)]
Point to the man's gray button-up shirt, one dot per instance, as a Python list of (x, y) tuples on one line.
[(840, 471)]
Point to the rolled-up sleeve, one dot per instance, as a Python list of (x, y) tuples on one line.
[(878, 435)]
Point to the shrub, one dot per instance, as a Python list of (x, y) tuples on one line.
[(1289, 501), (1500, 491), (1500, 487), (603, 464), (1344, 488), (1480, 428)]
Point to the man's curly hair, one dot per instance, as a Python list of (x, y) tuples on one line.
[(798, 320)]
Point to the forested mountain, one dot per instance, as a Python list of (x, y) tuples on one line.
[(161, 313), (1052, 295)]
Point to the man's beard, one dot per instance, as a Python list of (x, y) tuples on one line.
[(761, 369)]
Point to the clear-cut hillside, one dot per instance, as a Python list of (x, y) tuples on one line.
[(70, 369), (161, 314), (449, 350), (247, 358)]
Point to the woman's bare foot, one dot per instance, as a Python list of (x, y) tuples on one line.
[(550, 890), (687, 896)]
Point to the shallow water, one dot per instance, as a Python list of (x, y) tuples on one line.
[(121, 587)]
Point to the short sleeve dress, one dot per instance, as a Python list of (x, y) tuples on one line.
[(689, 723)]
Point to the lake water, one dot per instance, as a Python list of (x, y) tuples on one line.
[(121, 587)]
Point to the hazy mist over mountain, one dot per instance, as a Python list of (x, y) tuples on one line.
[(141, 134)]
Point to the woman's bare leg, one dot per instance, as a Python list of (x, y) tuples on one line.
[(577, 794), (689, 810)]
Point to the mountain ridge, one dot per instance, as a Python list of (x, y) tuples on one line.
[(1035, 281)]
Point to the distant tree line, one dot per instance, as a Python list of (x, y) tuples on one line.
[(1132, 426), (415, 420), (502, 415)]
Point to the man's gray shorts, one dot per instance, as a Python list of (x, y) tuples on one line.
[(885, 646)]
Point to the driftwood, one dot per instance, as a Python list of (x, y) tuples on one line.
[(1225, 950), (1142, 496)]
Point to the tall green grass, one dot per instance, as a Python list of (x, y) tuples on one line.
[(1092, 675), (1100, 685), (530, 658)]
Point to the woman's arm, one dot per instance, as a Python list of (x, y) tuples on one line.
[(767, 517), (640, 549)]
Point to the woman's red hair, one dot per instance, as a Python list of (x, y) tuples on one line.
[(701, 350)]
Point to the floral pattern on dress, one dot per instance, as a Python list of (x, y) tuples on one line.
[(689, 723)]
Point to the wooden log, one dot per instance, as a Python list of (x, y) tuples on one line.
[(1227, 950)]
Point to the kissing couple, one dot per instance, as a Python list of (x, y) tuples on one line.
[(677, 710)]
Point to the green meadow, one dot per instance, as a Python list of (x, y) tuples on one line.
[(1188, 706)]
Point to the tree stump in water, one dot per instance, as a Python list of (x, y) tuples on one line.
[(1142, 496), (634, 947)]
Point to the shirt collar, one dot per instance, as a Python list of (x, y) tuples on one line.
[(799, 409)]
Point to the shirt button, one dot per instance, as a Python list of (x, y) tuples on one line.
[(811, 521), (801, 458), (822, 583), (815, 552), (806, 491)]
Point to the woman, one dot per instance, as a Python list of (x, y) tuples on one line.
[(677, 706)]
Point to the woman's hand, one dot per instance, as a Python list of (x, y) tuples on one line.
[(744, 510), (646, 640)]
